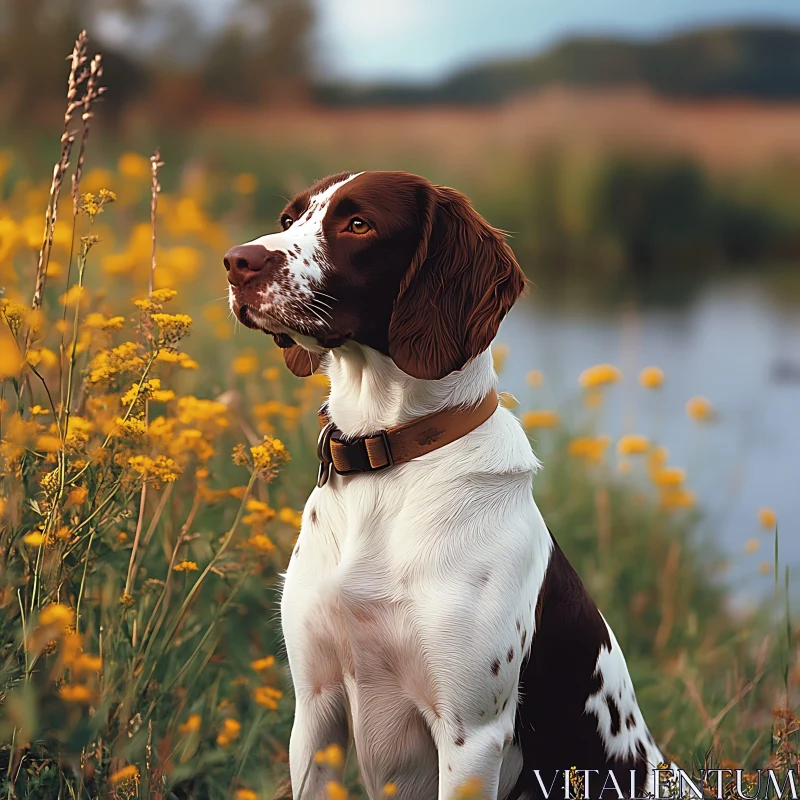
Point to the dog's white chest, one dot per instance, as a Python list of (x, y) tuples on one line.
[(350, 597)]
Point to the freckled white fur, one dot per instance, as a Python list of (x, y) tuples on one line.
[(289, 302), (307, 234), (617, 684)]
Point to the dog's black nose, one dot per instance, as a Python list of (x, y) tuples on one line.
[(245, 261)]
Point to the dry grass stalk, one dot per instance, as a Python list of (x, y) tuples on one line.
[(93, 92), (155, 188), (76, 77)]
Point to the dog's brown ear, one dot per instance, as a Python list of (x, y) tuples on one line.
[(301, 362), (461, 283)]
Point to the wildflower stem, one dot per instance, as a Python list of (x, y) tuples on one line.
[(88, 519), (220, 613), (196, 587), (83, 581), (134, 549), (184, 530), (222, 548), (249, 741)]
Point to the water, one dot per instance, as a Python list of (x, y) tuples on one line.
[(726, 344)]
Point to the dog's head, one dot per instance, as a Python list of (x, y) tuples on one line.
[(384, 259)]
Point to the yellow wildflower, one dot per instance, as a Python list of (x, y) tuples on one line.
[(540, 418), (192, 410), (599, 375), (134, 166), (231, 729), (390, 790), (186, 362), (656, 459), (291, 517), (132, 428), (191, 725), (173, 327), (676, 497), (34, 539), (765, 568), (271, 373), (631, 444), (75, 693), (259, 665), (335, 791), (186, 566), (260, 511), (108, 364), (73, 296), (752, 545), (268, 457), (267, 697), (129, 773), (261, 542), (768, 518), (499, 355), (42, 356), (669, 476), (473, 790), (245, 794), (57, 614), (331, 756), (591, 449), (11, 361), (77, 496), (276, 407), (245, 183), (699, 409), (534, 378), (164, 295), (15, 314), (86, 663), (160, 469), (48, 444), (651, 378), (98, 321), (245, 363)]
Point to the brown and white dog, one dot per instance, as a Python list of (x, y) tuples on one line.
[(426, 606)]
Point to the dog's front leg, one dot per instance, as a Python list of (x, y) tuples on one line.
[(320, 722), (470, 760)]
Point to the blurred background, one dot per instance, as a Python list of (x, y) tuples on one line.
[(644, 157)]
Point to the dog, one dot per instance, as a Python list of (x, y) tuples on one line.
[(426, 607)]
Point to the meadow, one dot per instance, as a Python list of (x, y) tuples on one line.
[(153, 466)]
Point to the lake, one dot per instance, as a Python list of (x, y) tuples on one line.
[(735, 343)]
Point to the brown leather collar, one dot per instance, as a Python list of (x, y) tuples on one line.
[(395, 445)]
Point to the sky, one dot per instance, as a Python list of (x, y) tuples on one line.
[(424, 40)]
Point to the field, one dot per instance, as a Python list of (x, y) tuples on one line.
[(154, 462)]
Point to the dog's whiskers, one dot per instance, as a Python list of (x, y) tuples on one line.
[(321, 310)]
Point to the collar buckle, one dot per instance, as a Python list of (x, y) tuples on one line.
[(324, 454)]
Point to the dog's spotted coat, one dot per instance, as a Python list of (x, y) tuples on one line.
[(427, 607)]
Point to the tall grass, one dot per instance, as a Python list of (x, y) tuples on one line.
[(148, 501)]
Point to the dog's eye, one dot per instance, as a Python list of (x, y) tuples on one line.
[(286, 222), (358, 226)]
